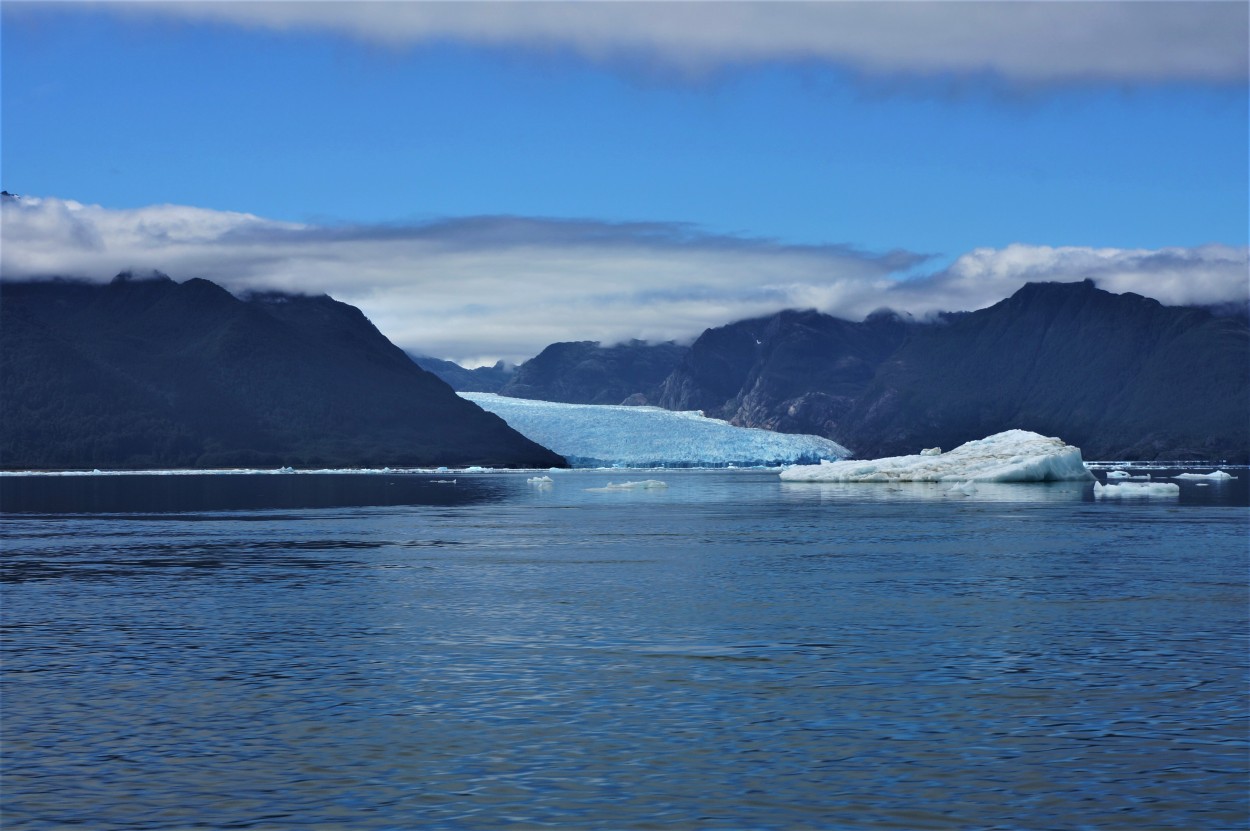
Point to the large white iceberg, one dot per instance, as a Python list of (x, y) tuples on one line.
[(592, 435), (1013, 456)]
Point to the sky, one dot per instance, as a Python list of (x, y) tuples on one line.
[(485, 178)]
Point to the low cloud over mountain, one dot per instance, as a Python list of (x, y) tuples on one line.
[(477, 289)]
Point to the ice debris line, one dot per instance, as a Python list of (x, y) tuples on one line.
[(594, 435), (1013, 456)]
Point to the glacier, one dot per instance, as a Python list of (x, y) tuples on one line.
[(596, 435), (1011, 456)]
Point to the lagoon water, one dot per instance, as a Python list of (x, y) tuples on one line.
[(395, 652)]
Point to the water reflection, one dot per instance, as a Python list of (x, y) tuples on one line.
[(1040, 492)]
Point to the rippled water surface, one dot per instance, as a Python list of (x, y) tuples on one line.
[(727, 652)]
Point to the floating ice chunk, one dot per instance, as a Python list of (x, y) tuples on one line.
[(591, 435), (968, 488), (541, 481), (1135, 489), (1117, 474), (1013, 456), (931, 451), (1218, 475), (645, 485)]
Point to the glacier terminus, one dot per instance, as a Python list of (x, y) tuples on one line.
[(592, 435)]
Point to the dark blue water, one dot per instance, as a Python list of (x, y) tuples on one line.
[(727, 652)]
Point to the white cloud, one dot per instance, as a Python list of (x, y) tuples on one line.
[(1204, 275), (1020, 42), (482, 288)]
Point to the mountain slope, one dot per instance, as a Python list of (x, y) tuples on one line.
[(481, 379), (154, 373), (1121, 376), (794, 372), (585, 372)]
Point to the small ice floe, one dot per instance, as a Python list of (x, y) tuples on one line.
[(1215, 475), (966, 488), (644, 485), (1132, 490), (1117, 474), (540, 481), (444, 481)]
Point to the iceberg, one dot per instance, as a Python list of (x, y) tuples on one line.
[(1012, 456), (1218, 475), (645, 485), (1135, 489), (595, 435)]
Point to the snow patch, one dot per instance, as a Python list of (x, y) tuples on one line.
[(1012, 456)]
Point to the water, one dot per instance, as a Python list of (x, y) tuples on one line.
[(387, 652)]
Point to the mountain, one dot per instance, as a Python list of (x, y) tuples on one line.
[(154, 373), (1120, 376), (794, 372), (586, 372), (481, 379)]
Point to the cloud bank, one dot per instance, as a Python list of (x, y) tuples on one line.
[(479, 289), (1020, 42)]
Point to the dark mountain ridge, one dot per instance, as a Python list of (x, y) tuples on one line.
[(480, 379), (1121, 376), (586, 372), (793, 372), (154, 373)]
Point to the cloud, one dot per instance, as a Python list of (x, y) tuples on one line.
[(478, 289), (1029, 43)]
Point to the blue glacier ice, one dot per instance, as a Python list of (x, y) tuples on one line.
[(591, 435)]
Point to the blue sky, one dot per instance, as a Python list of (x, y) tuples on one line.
[(314, 115)]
